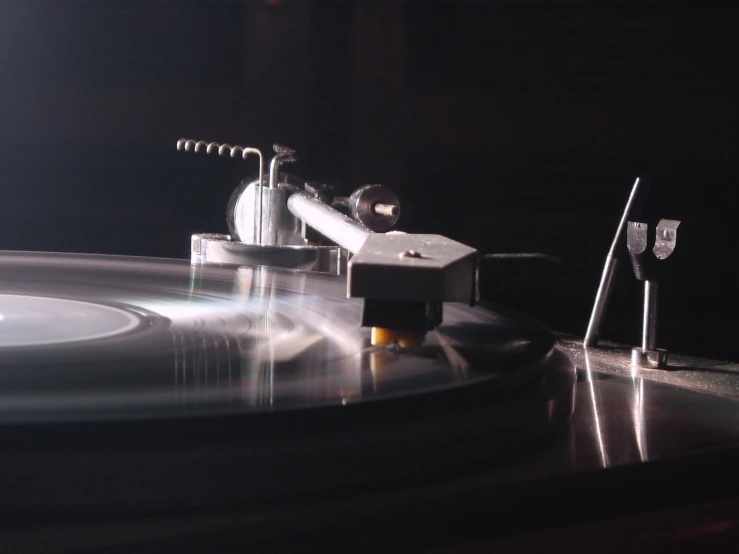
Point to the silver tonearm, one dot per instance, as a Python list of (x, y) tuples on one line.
[(403, 278)]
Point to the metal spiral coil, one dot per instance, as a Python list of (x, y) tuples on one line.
[(284, 154), (285, 159), (282, 149), (189, 145)]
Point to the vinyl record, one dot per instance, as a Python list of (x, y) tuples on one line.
[(120, 377)]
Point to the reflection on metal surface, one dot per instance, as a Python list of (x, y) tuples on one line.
[(682, 371), (627, 417), (640, 429), (590, 379), (279, 227)]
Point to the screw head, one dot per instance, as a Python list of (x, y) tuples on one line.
[(411, 254)]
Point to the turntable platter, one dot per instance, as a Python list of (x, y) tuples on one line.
[(156, 334), (135, 355)]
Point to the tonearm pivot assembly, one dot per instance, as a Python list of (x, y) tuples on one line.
[(279, 220)]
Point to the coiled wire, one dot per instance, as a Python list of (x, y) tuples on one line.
[(189, 145)]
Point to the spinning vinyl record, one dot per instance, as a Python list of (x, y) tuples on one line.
[(141, 384)]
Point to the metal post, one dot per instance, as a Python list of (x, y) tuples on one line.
[(601, 301), (609, 270), (649, 323)]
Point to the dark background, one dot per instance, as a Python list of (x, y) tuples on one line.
[(512, 126)]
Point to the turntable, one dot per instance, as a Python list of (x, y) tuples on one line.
[(316, 379)]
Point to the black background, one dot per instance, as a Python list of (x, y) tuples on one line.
[(512, 126)]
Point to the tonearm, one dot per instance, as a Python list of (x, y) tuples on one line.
[(277, 219)]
